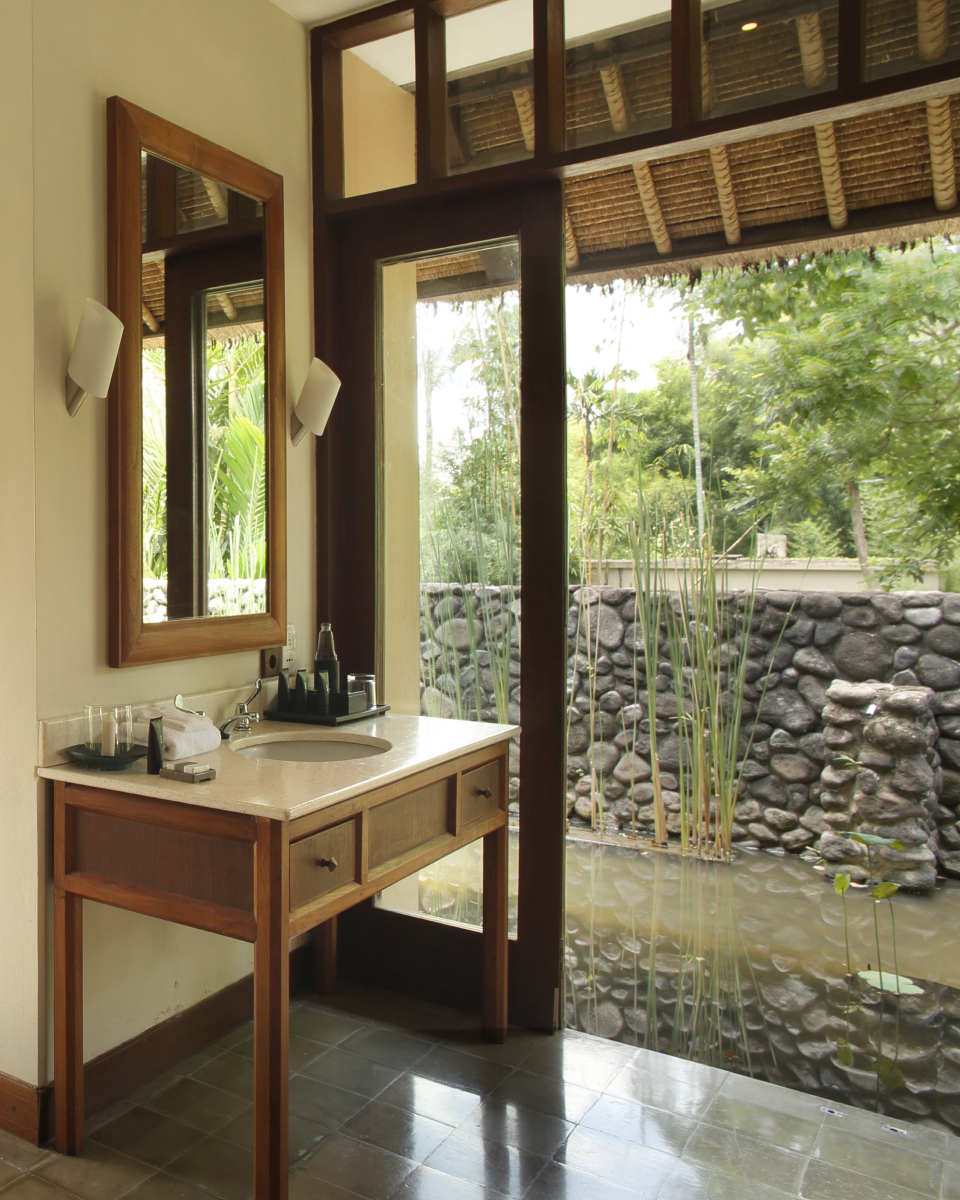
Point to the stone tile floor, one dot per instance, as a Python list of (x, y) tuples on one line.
[(394, 1100)]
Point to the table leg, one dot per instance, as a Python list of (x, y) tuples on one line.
[(325, 945), (271, 1017), (495, 935), (68, 1021)]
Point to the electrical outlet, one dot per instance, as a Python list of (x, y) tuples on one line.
[(289, 653)]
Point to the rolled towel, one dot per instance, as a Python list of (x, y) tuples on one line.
[(184, 734)]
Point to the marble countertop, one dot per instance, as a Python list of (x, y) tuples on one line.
[(263, 787)]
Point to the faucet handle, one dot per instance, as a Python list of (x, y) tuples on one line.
[(258, 688)]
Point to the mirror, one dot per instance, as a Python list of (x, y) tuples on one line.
[(198, 404)]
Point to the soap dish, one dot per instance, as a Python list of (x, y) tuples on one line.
[(107, 762)]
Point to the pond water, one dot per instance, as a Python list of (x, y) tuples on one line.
[(744, 966)]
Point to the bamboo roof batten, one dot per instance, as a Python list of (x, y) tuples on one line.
[(832, 177), (227, 305), (933, 29), (725, 194), (570, 241), (523, 99), (149, 319), (217, 198), (813, 58), (613, 88), (933, 32), (651, 207)]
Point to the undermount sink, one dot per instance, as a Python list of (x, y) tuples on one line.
[(312, 747)]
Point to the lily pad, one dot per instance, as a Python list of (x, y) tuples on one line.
[(896, 985)]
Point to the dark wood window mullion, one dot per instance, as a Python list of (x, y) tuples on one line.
[(431, 62), (686, 56), (549, 78), (851, 45), (326, 71)]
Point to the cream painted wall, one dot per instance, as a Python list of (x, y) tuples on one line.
[(20, 876), (235, 71), (379, 130)]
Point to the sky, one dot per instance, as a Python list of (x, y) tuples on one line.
[(596, 320)]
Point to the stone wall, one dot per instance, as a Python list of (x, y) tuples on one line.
[(796, 646)]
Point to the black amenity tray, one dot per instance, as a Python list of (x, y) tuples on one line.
[(308, 718)]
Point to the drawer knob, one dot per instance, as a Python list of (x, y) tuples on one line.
[(329, 863), (484, 792)]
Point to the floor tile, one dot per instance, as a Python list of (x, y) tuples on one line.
[(678, 1068), (303, 1135), (386, 1046), (197, 1104), (319, 1025), (745, 1158), (951, 1182), (20, 1153), (218, 1166), (230, 1071), (824, 1181), (162, 1186), (460, 1070), (924, 1139), (398, 1130), (308, 1187), (8, 1173), (417, 1017), (98, 1173), (772, 1096), (366, 1170), (302, 1051), (322, 1103), (148, 1136), (787, 1131), (580, 1061), (29, 1187), (510, 1125), (615, 1160), (240, 1034), (503, 1168), (690, 1099), (893, 1163), (364, 1003), (431, 1099), (512, 1053), (195, 1061), (688, 1181), (152, 1088), (558, 1182), (543, 1094), (105, 1115), (351, 1072), (654, 1127), (427, 1184)]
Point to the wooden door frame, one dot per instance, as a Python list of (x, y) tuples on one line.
[(348, 248)]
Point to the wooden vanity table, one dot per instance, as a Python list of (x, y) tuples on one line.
[(267, 851)]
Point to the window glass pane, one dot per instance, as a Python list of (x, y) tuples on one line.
[(490, 85), (451, 518), (379, 115), (760, 54), (905, 37), (618, 68)]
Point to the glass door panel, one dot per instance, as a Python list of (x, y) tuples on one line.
[(450, 514)]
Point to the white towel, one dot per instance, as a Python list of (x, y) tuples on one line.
[(184, 734)]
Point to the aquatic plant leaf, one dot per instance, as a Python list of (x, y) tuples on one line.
[(890, 1074), (872, 839), (883, 891), (841, 883), (844, 1053), (896, 985)]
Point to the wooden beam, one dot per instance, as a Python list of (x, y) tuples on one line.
[(570, 241), (523, 99), (725, 194), (832, 178), (326, 84), (942, 159), (431, 99), (851, 45), (616, 94), (549, 81), (933, 29), (651, 207), (686, 63)]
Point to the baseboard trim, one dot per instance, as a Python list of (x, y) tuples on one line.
[(27, 1112)]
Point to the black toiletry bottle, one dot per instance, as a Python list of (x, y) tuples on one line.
[(155, 746), (326, 662)]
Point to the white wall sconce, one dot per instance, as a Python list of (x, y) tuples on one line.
[(94, 355), (316, 401)]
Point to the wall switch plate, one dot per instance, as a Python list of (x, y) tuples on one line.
[(289, 652), (271, 661)]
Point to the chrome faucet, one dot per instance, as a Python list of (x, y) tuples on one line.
[(243, 719)]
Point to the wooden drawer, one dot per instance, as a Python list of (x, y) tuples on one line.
[(479, 792), (402, 826), (308, 878)]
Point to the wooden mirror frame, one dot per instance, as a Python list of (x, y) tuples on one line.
[(131, 640)]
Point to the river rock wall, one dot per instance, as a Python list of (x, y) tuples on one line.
[(797, 644)]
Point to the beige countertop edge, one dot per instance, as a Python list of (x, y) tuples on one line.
[(287, 790)]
